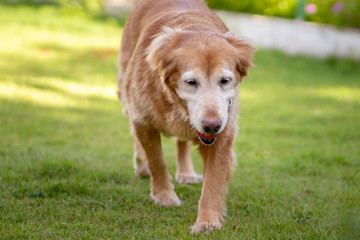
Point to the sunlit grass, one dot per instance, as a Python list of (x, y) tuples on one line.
[(66, 149), (54, 92), (346, 94)]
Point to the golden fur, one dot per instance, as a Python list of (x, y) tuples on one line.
[(179, 69)]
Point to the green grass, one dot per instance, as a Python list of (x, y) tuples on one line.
[(66, 151)]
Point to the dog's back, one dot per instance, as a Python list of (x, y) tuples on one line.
[(152, 15)]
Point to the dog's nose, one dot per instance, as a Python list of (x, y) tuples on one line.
[(211, 126)]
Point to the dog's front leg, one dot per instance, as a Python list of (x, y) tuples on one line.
[(216, 171), (162, 191)]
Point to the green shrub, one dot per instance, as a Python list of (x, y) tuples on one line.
[(281, 8), (93, 7), (349, 15)]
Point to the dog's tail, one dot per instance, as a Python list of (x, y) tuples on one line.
[(124, 110), (119, 77), (119, 86)]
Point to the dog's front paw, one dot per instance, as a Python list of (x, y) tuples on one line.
[(166, 199), (188, 178), (204, 227)]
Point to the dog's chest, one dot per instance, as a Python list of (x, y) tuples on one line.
[(178, 127)]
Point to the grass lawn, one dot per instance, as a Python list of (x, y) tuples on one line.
[(66, 151)]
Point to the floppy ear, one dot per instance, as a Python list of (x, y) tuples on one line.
[(244, 53), (160, 55), (159, 52)]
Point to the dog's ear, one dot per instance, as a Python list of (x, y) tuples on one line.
[(158, 54), (244, 53)]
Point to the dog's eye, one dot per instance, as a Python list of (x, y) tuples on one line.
[(192, 82), (224, 81)]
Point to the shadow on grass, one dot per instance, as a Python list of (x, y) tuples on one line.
[(53, 178), (71, 8)]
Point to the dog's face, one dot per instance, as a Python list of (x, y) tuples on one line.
[(203, 70)]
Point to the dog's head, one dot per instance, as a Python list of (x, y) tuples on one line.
[(201, 70)]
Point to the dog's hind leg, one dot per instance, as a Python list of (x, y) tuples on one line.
[(140, 162), (162, 191), (185, 171)]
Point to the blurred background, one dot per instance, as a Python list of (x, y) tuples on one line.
[(315, 28)]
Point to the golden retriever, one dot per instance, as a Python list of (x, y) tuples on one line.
[(179, 70)]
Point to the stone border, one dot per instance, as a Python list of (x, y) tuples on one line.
[(295, 37)]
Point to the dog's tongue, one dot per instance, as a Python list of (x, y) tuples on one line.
[(206, 138)]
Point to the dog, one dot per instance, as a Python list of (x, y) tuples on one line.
[(179, 72)]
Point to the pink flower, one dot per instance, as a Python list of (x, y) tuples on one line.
[(310, 8), (337, 7)]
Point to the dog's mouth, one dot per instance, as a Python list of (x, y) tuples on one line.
[(207, 139)]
